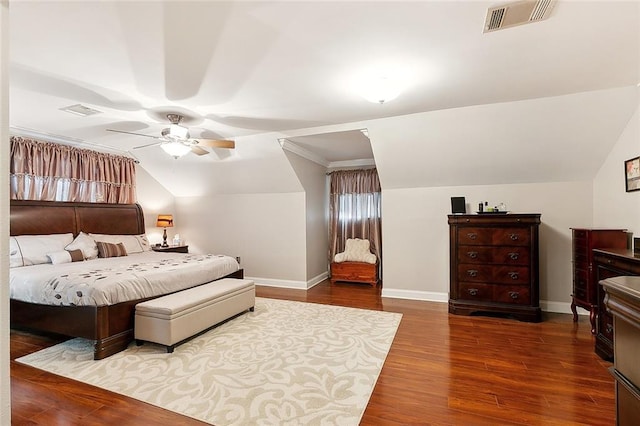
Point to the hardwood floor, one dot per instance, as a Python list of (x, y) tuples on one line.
[(441, 370)]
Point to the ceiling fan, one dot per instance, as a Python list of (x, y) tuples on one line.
[(176, 141)]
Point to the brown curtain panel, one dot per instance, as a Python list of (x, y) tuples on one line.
[(355, 210), (53, 172)]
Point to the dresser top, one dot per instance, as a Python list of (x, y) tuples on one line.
[(509, 218)]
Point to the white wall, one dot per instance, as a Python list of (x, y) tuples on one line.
[(266, 230), (415, 235), (613, 207), (313, 178), (5, 395), (155, 199)]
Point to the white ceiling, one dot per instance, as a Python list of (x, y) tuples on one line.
[(244, 68)]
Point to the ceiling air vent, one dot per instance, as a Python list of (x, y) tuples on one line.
[(518, 13), (82, 110)]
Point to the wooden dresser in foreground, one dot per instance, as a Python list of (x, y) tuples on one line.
[(622, 299), (610, 263), (494, 265), (585, 286)]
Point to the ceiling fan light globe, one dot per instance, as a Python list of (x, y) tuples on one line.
[(175, 149), (179, 132)]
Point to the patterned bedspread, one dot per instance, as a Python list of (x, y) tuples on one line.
[(113, 280)]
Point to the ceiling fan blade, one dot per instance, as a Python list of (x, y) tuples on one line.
[(198, 151), (149, 144), (131, 133), (217, 143)]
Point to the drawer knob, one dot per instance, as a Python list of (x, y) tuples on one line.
[(472, 254), (513, 256), (514, 294), (472, 272), (514, 237), (513, 275), (472, 235), (609, 328), (473, 291)]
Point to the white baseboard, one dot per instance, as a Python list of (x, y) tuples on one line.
[(429, 296), (396, 293), (299, 285), (560, 307)]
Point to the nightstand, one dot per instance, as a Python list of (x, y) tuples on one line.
[(171, 249)]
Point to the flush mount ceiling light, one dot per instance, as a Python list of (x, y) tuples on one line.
[(380, 89), (175, 149)]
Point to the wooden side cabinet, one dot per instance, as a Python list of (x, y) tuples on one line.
[(494, 265), (610, 263), (622, 299), (171, 249), (585, 286)]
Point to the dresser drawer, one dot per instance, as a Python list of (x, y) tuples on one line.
[(580, 282), (493, 273), (511, 237), (518, 295), (580, 234), (581, 256), (474, 236), (494, 255), (475, 291), (511, 275)]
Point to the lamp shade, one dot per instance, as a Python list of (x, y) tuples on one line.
[(175, 148), (164, 221)]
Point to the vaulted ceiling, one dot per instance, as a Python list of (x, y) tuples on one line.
[(261, 71)]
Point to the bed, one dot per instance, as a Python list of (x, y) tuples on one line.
[(109, 325)]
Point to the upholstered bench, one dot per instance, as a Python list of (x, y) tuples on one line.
[(171, 319)]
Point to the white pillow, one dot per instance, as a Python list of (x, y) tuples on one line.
[(58, 257), (15, 255), (86, 244), (356, 250), (34, 248), (132, 243)]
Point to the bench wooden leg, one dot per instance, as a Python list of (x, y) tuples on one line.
[(251, 309), (170, 349), (139, 342)]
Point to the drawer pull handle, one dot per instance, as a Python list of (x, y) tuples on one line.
[(513, 275), (472, 254), (513, 256), (472, 273), (473, 291), (609, 328), (514, 294), (472, 235), (514, 237)]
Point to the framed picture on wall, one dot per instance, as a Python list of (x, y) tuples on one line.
[(632, 174)]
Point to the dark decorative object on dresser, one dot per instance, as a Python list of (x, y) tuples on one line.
[(585, 285), (494, 265), (622, 299), (171, 249), (610, 263)]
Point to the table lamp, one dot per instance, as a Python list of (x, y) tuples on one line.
[(164, 221)]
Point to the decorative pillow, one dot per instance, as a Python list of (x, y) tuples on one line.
[(356, 250), (33, 249), (110, 250), (66, 256), (86, 244), (133, 243)]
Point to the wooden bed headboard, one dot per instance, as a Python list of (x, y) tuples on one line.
[(30, 217)]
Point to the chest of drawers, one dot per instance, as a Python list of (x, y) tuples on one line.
[(585, 286), (610, 263), (494, 265)]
